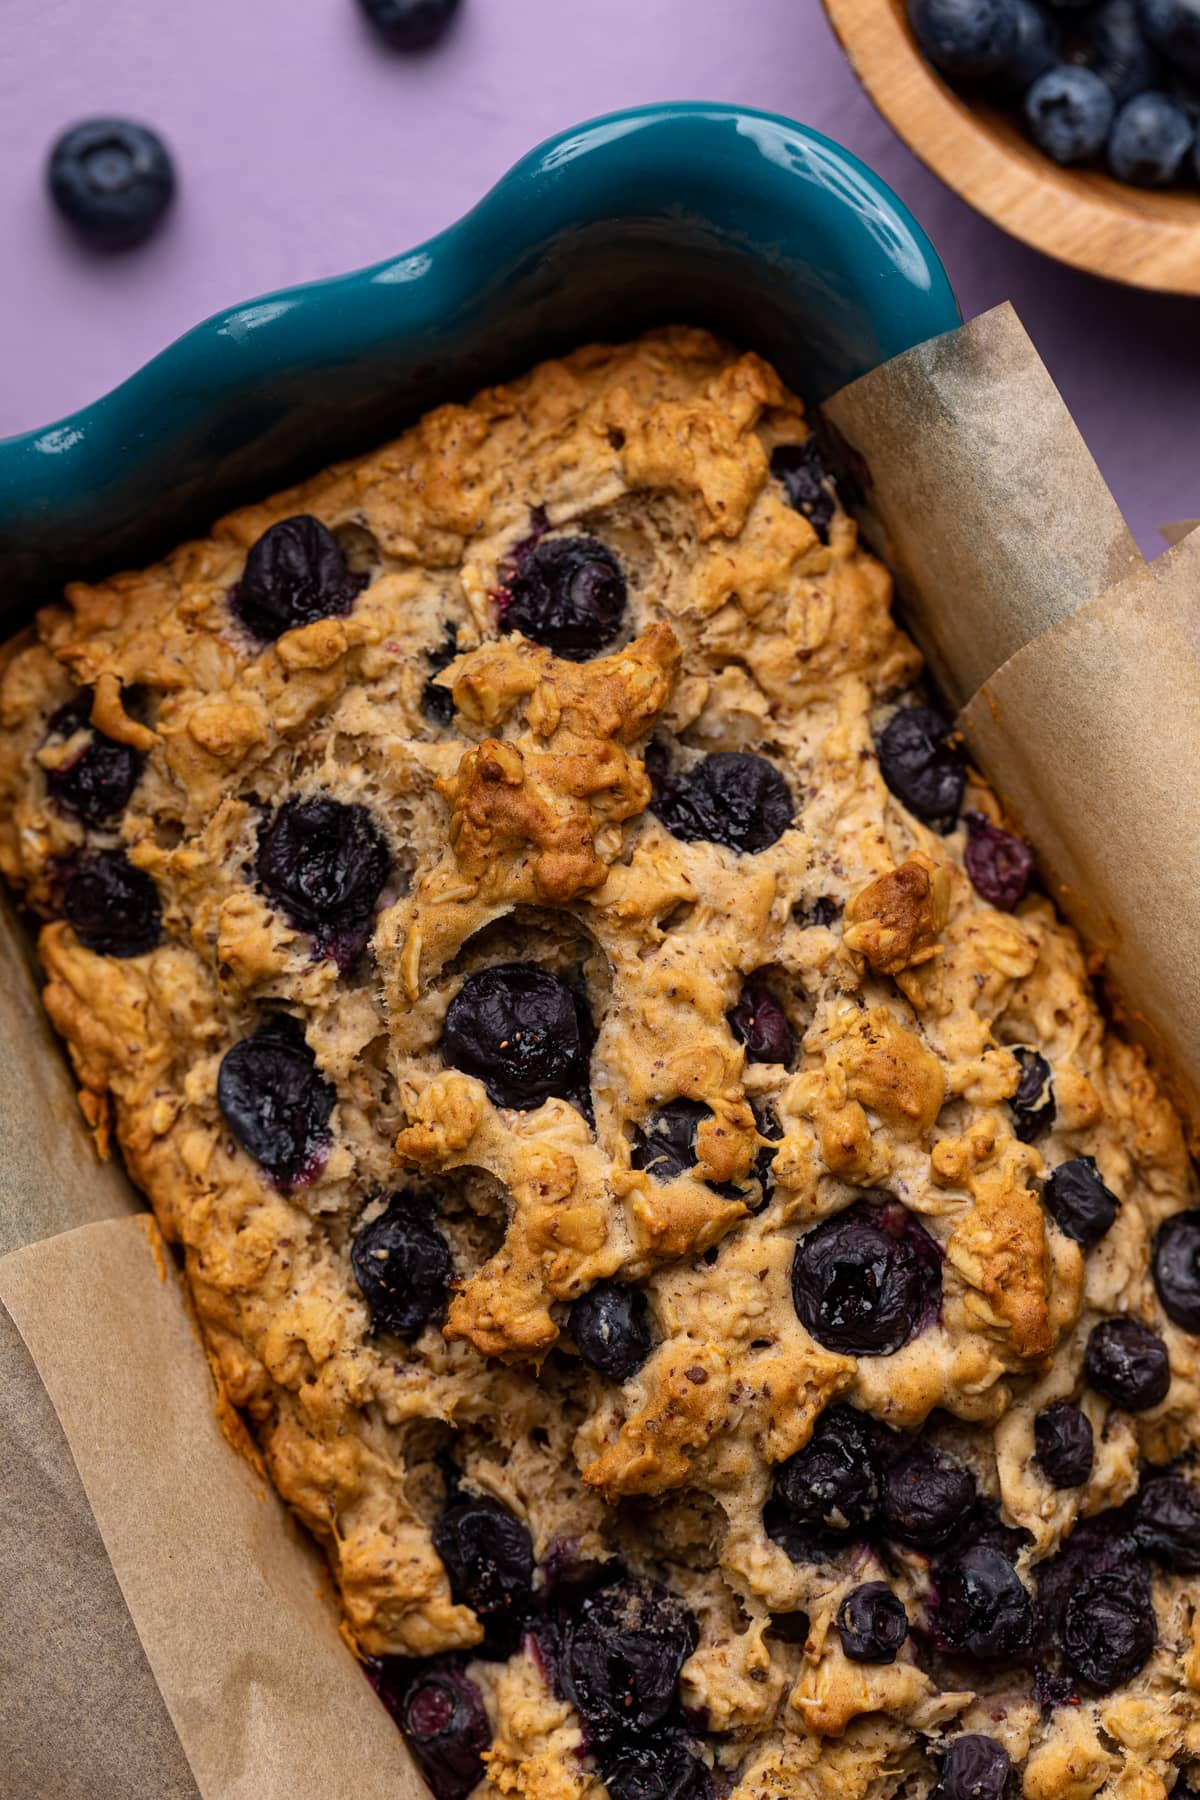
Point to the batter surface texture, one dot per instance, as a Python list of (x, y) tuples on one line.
[(652, 1172)]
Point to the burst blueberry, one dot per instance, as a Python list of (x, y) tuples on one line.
[(112, 907), (403, 1266), (982, 1607), (1032, 1106), (1108, 1630), (1063, 1444), (759, 1022), (1078, 1200), (294, 574), (442, 1715), (410, 24), (488, 1557), (325, 865), (623, 1651), (835, 1482), (1000, 865), (1127, 1363), (98, 782), (1176, 1266), (974, 1767), (569, 594), (864, 1281), (661, 1768), (666, 1145), (1166, 1522), (924, 765), (807, 483), (729, 798), (523, 1031), (275, 1101), (872, 1623), (926, 1496), (112, 181), (610, 1327)]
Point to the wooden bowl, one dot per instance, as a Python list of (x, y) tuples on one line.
[(1080, 216)]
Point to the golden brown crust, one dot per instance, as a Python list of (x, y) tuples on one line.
[(523, 830)]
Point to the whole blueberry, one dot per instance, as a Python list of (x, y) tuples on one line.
[(661, 1768), (410, 24), (568, 594), (1166, 1522), (403, 1266), (622, 1653), (1064, 1450), (274, 1100), (610, 1327), (807, 483), (437, 703), (97, 783), (1149, 140), (759, 1022), (982, 1607), (666, 1145), (1127, 1363), (523, 1031), (730, 798), (835, 1482), (1176, 1266), (974, 1768), (926, 1497), (1032, 1106), (112, 907), (1069, 111), (1116, 49), (112, 181), (864, 1281), (965, 37), (1036, 48), (1079, 1202), (872, 1623), (294, 574), (923, 766), (1108, 1630), (1000, 865), (325, 865), (1173, 26), (488, 1557), (442, 1715)]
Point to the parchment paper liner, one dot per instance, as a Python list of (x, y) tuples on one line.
[(1083, 710)]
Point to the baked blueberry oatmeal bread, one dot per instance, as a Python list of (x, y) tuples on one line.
[(652, 1172)]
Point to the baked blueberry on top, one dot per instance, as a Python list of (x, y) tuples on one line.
[(98, 780), (1127, 1363), (295, 574), (569, 594), (983, 1610), (1033, 1105), (112, 181), (442, 1715), (807, 483), (112, 907), (275, 1101), (974, 1767), (923, 764), (836, 1481), (325, 865), (1078, 1200), (872, 1623), (610, 1327), (866, 1280), (1065, 1449), (489, 1558), (623, 1653), (759, 1022), (1176, 1268), (728, 798), (525, 1032), (402, 1265)]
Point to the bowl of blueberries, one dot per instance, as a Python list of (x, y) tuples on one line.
[(1072, 124)]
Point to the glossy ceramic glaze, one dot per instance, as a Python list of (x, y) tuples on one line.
[(739, 220)]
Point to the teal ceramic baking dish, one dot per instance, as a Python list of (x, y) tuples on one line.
[(715, 215)]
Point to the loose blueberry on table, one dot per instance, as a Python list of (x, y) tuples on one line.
[(403, 1266), (97, 784), (325, 865), (523, 1031), (112, 181), (866, 1280), (275, 1100), (410, 24), (112, 907), (568, 594), (610, 1328), (294, 575)]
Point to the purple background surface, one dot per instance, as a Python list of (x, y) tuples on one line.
[(305, 148)]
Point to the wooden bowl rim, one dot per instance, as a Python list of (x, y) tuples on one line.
[(1140, 236)]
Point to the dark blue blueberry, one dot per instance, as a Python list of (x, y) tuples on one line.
[(759, 1022), (1166, 1522), (1063, 1439), (488, 1557), (923, 765), (666, 1145), (275, 1101), (610, 1327), (965, 37), (96, 784), (112, 907), (974, 1768), (807, 482), (1078, 1201), (1108, 1630), (524, 1032), (872, 1623), (325, 865), (442, 1715), (112, 181), (568, 594), (1036, 48), (1176, 1267), (835, 1483), (410, 24), (437, 703), (295, 573), (824, 910), (729, 798), (1127, 1363), (864, 1281), (1116, 50), (999, 864), (1032, 1106), (1069, 111), (926, 1497), (1173, 27), (982, 1608), (1149, 140), (403, 1267), (804, 1544), (622, 1653), (662, 1768)]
